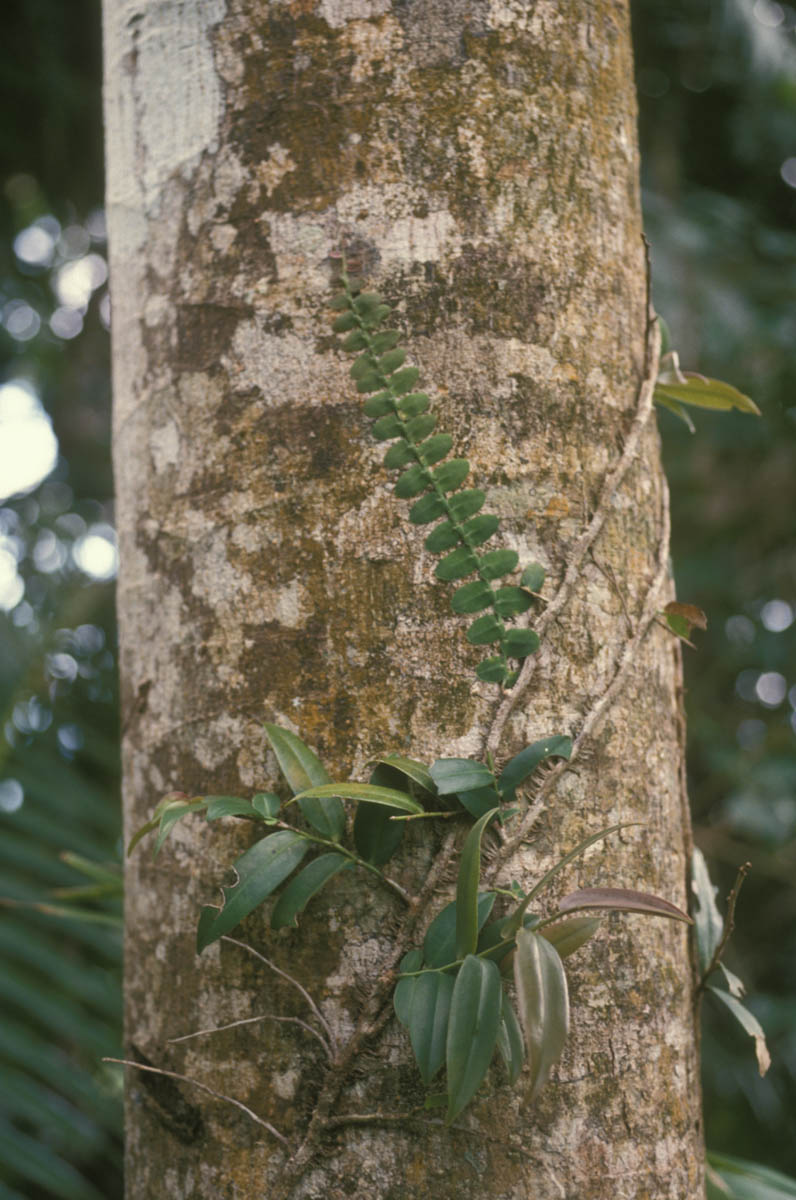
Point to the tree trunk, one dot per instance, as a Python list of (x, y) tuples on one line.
[(478, 161)]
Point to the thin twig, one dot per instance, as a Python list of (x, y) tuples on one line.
[(316, 1012), (186, 1037), (126, 1062), (729, 925)]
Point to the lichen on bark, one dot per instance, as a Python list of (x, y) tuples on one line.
[(477, 158)]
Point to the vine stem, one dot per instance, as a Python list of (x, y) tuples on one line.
[(126, 1062), (186, 1037), (588, 537)]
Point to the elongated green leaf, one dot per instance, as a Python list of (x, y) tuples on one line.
[(152, 824), (451, 474), (706, 393), (465, 504), (435, 448), (304, 886), (708, 922), (416, 771), (456, 565), (749, 1022), (543, 1004), (623, 900), (472, 1030), (452, 775), (467, 887), (303, 769), (229, 806), (518, 768), (173, 813), (736, 986), (511, 601), (498, 562), (485, 630), (533, 576), (404, 988), (439, 944), (428, 1021), (472, 597), (412, 482), (266, 804), (389, 797), (414, 403), (427, 509), (477, 801), (376, 835), (519, 643), (750, 1181), (675, 407), (509, 1041), (569, 935), (260, 871)]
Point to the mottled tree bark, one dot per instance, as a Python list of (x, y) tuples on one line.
[(478, 158)]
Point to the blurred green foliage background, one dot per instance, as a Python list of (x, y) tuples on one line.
[(717, 95)]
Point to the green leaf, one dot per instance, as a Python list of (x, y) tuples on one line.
[(450, 474), (373, 319), (472, 1030), (453, 775), (492, 670), (479, 800), (465, 504), (339, 301), (519, 643), (518, 768), (386, 340), (456, 565), (569, 935), (366, 302), (509, 1041), (543, 1003), (622, 900), (481, 528), (344, 322), (675, 407), (370, 383), (533, 576), (708, 922), (485, 630), (388, 797), (420, 427), (749, 1023), (266, 804), (435, 448), (358, 340), (750, 1181), (427, 509), (402, 996), (260, 871), (472, 597), (376, 835), (228, 806), (173, 813), (398, 455), (414, 403), (428, 1021), (706, 393), (378, 405), (303, 769), (391, 360), (304, 886), (467, 887), (412, 482), (362, 366), (387, 427), (736, 986), (439, 944), (404, 380), (442, 538), (498, 562), (510, 601), (416, 771)]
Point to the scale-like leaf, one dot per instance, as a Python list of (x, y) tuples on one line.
[(518, 768), (708, 921), (439, 944), (428, 1020), (623, 900), (389, 797), (498, 562), (749, 1022), (260, 871), (543, 1003), (467, 887), (304, 886), (570, 934), (404, 988), (472, 597), (472, 1030), (452, 775), (509, 1041)]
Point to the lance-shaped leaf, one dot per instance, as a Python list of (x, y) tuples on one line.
[(479, 801), (749, 1022), (389, 797), (304, 886), (376, 835), (172, 813), (705, 393), (472, 1030), (708, 922), (439, 944), (453, 775), (467, 887), (404, 988), (623, 900), (743, 1180), (229, 806), (266, 804), (428, 1020), (509, 1041), (543, 1004), (260, 871), (416, 771), (517, 769), (303, 769), (570, 934)]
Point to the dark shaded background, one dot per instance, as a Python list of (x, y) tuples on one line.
[(718, 120)]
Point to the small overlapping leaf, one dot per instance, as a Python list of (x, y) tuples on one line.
[(260, 871), (428, 1020), (304, 886), (473, 1025), (542, 1002)]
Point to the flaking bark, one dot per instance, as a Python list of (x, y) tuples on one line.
[(478, 161)]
